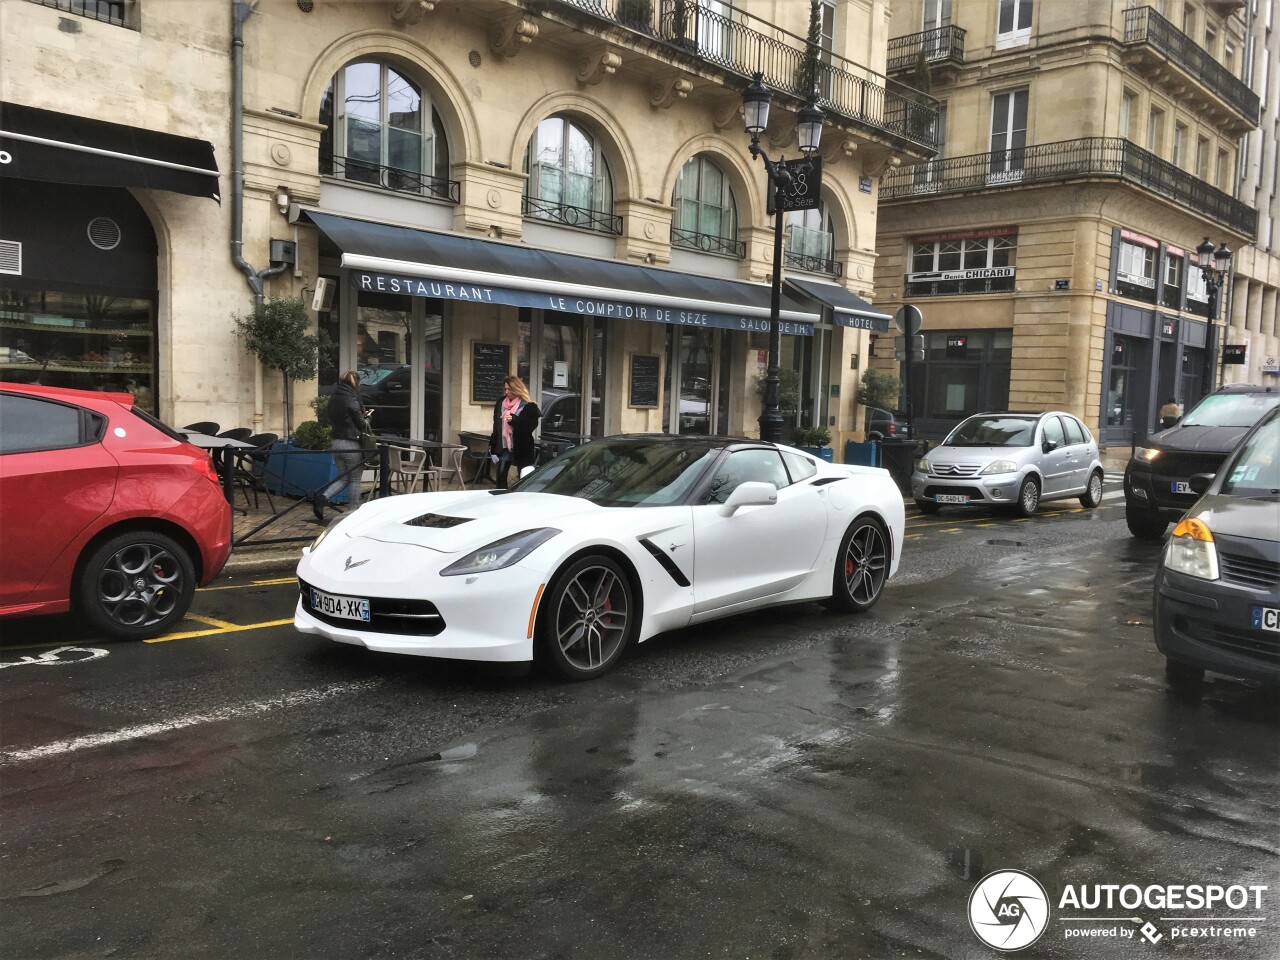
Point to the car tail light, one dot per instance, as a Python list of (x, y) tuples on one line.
[(204, 467), (891, 428)]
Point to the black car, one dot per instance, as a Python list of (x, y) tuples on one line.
[(887, 424), (1157, 480), (1217, 588)]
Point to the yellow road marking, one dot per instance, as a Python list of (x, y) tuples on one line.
[(951, 530), (912, 536), (220, 624), (229, 628), (251, 583)]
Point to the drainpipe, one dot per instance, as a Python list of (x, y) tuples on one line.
[(240, 12)]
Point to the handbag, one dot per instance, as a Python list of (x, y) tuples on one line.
[(368, 442)]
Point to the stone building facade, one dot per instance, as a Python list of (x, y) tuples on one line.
[(556, 188)]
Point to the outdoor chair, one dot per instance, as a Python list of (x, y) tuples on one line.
[(408, 465), (249, 466), (207, 427), (236, 433)]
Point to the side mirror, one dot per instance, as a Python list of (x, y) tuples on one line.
[(753, 493), (1199, 482), (1048, 446)]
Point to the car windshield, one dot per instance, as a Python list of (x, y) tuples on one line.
[(372, 376), (1256, 471), (1231, 409), (623, 473), (993, 432)]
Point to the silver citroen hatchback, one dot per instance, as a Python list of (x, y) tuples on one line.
[(1018, 459)]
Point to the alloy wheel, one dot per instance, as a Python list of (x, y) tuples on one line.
[(866, 562), (591, 619), (140, 585)]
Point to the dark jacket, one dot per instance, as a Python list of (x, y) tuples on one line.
[(346, 413), (523, 452)]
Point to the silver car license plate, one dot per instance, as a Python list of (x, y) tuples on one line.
[(348, 608), (950, 498), (1266, 618)]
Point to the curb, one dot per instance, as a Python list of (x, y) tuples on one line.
[(260, 560)]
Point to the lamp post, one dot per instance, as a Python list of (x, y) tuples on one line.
[(1215, 265), (755, 104)]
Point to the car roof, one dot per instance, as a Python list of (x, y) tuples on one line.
[(1246, 388), (690, 440), (98, 399)]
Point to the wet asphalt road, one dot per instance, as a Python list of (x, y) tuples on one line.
[(792, 784)]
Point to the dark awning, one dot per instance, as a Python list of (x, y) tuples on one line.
[(849, 310), (391, 259), (53, 147)]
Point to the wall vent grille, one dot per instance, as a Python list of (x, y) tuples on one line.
[(11, 257)]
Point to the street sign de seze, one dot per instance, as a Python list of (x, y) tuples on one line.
[(806, 184)]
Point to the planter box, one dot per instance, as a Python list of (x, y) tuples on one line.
[(822, 453), (294, 472)]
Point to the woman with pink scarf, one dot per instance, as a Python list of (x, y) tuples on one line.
[(515, 417)]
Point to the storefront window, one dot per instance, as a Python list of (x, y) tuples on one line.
[(964, 372), (1123, 356), (1136, 271), (86, 341), (963, 265)]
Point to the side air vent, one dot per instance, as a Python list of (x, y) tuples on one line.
[(104, 233), (437, 521), (11, 257)]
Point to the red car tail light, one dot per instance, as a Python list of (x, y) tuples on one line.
[(204, 467), (890, 427)]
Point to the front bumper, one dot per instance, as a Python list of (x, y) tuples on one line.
[(1153, 492), (996, 489), (1209, 624)]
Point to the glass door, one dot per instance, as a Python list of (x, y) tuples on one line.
[(428, 371)]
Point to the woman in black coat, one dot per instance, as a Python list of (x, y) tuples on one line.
[(346, 418), (515, 417)]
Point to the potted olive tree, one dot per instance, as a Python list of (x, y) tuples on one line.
[(278, 333), (815, 441)]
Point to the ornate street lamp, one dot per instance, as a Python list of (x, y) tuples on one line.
[(1215, 265), (755, 108)]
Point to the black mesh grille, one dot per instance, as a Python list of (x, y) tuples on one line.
[(418, 618), (1246, 643), (1250, 571)]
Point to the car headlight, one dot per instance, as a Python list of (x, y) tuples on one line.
[(500, 553), (1145, 454), (323, 533), (1191, 550), (922, 465), (999, 466)]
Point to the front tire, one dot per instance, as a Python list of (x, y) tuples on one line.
[(136, 585), (591, 616), (862, 566), (1092, 495), (1144, 524), (1028, 497)]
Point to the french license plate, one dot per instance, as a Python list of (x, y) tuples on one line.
[(348, 608), (950, 498), (1266, 618), (1181, 486)]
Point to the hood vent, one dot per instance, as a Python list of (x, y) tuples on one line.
[(436, 521)]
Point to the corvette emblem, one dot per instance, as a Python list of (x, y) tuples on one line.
[(358, 563)]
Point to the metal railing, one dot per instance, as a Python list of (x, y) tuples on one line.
[(744, 44), (812, 264), (106, 11), (1087, 158), (940, 45), (1145, 25), (391, 178), (571, 216), (708, 243)]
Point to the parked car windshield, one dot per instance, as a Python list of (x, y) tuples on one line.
[(1231, 409), (993, 432), (1256, 471), (623, 473)]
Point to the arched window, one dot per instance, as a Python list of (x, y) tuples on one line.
[(569, 180), (811, 240), (380, 129), (706, 216)]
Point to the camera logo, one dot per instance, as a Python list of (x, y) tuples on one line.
[(1008, 910)]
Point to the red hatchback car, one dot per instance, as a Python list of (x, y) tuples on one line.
[(104, 510)]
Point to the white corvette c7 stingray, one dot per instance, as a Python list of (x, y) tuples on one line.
[(610, 543)]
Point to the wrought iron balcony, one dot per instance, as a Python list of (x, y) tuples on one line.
[(570, 215), (707, 243), (1090, 158), (390, 178), (941, 45), (740, 44), (1144, 27), (107, 11), (812, 264)]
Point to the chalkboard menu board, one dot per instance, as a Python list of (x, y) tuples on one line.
[(646, 374), (490, 365)]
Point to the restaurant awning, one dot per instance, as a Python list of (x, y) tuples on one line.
[(849, 310), (54, 147), (393, 259)]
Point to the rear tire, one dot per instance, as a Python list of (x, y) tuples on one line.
[(927, 506), (1028, 497), (1092, 495), (136, 585), (1144, 524), (589, 619), (862, 566)]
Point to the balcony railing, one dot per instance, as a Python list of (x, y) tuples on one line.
[(106, 11), (571, 216), (1087, 158), (390, 178), (1145, 25), (742, 44), (812, 264), (707, 243), (940, 45)]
